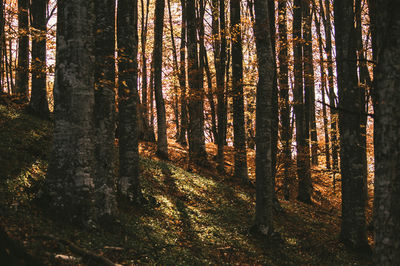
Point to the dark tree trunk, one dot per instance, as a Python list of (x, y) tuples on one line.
[(387, 171), (303, 151), (264, 121), (239, 141), (38, 104), (127, 42), (210, 97), (286, 136), (197, 151), (162, 144), (2, 47), (182, 77), (69, 182), (353, 228), (309, 86), (104, 109), (22, 78)]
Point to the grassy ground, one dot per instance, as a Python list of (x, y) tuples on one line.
[(197, 217)]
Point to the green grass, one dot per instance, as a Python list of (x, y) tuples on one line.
[(194, 219)]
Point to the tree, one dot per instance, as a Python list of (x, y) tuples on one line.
[(387, 177), (127, 42), (353, 227), (239, 142), (2, 44), (264, 117), (22, 78), (38, 103), (70, 182), (303, 149), (197, 151), (162, 145), (104, 109)]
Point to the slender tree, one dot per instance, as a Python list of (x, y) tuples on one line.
[(127, 42), (22, 78), (387, 170), (38, 103), (239, 141), (264, 121), (69, 182), (162, 144), (2, 46), (353, 228)]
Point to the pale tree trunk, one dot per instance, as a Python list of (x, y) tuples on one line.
[(303, 151), (387, 168), (104, 109), (69, 182), (264, 121), (127, 42), (22, 77), (353, 227), (239, 141), (162, 144), (285, 133), (197, 152), (38, 104)]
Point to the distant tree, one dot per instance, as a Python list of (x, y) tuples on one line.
[(353, 227), (197, 151), (104, 109), (127, 42), (22, 78), (264, 120), (162, 144), (69, 182), (239, 141), (387, 170), (303, 149)]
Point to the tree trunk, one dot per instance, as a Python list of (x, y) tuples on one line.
[(38, 104), (264, 121), (309, 85), (387, 171), (239, 141), (353, 228), (127, 42), (286, 137), (197, 151), (69, 182), (303, 151), (162, 144), (104, 109), (210, 97), (2, 46), (22, 78)]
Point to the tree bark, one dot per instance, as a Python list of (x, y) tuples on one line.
[(387, 171), (239, 141), (127, 42), (38, 104), (69, 182), (162, 144), (353, 227), (22, 78)]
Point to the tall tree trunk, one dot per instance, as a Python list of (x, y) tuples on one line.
[(331, 85), (182, 77), (210, 97), (303, 151), (285, 133), (104, 109), (22, 79), (197, 151), (2, 46), (162, 144), (309, 85), (387, 171), (38, 104), (69, 179), (264, 121), (127, 42), (239, 141), (353, 228)]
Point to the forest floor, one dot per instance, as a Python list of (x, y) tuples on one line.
[(197, 216)]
